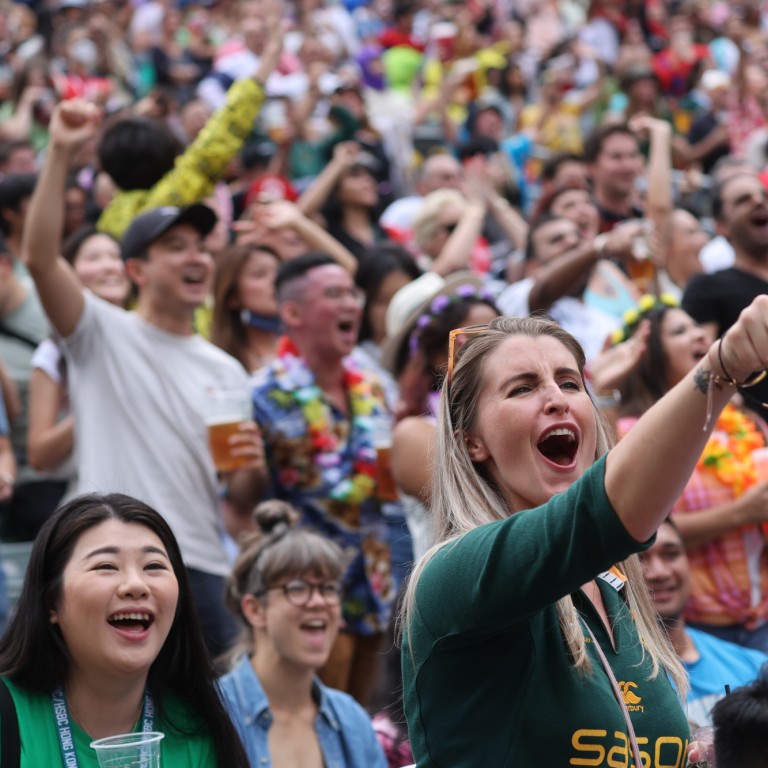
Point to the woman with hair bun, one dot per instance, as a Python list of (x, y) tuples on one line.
[(285, 587)]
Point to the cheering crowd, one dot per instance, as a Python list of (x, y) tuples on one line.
[(490, 275)]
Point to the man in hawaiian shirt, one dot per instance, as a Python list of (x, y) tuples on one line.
[(317, 413)]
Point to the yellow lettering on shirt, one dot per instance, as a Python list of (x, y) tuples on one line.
[(580, 745), (619, 751), (595, 748), (674, 749)]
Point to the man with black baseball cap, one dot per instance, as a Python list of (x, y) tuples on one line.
[(138, 380)]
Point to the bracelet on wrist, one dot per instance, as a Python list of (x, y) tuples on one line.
[(750, 382)]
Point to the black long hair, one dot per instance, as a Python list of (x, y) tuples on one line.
[(379, 261), (647, 384), (33, 653)]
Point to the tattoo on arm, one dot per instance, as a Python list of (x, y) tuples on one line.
[(701, 377)]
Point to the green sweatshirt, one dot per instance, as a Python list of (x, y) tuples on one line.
[(487, 677), (40, 746)]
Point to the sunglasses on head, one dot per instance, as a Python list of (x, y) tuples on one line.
[(465, 331)]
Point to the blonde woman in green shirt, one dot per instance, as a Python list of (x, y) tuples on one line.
[(506, 617)]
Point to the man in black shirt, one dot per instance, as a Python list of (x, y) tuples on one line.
[(740, 210)]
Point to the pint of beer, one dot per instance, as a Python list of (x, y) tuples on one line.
[(641, 266), (226, 410), (385, 483), (386, 490)]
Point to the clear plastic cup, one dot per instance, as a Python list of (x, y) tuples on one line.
[(129, 750), (704, 738), (225, 410)]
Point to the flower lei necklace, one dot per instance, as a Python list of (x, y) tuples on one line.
[(297, 384), (728, 453)]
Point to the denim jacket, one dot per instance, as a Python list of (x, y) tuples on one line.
[(344, 731)]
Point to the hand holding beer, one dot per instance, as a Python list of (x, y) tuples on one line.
[(234, 439)]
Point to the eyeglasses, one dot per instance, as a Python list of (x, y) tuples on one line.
[(338, 292), (299, 592), (466, 331)]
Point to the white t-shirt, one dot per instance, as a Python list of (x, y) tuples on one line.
[(588, 325), (717, 254), (137, 398)]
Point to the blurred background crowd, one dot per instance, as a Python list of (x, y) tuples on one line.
[(602, 161)]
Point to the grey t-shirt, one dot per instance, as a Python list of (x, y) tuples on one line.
[(137, 397), (30, 322)]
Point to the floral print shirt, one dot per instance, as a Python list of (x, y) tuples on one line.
[(324, 463)]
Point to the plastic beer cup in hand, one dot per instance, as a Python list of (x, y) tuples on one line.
[(382, 442), (129, 750), (641, 267), (225, 411)]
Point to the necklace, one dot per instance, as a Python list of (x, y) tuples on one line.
[(296, 384)]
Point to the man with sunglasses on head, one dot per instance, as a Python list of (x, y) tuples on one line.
[(316, 412)]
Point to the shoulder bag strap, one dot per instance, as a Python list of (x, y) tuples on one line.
[(23, 338), (619, 697), (10, 740)]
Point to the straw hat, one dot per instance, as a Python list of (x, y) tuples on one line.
[(412, 301)]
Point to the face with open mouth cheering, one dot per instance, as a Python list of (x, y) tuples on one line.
[(329, 316), (745, 214), (118, 599), (178, 271), (535, 431), (296, 620)]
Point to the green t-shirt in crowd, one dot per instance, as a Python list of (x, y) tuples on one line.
[(487, 676), (40, 746)]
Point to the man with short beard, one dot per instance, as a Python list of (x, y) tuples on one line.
[(614, 163), (740, 210)]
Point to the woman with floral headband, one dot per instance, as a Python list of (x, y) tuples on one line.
[(723, 511), (419, 321)]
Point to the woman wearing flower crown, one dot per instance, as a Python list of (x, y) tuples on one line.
[(416, 352), (723, 510)]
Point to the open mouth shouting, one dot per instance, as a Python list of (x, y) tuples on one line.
[(315, 626), (317, 635), (134, 623), (559, 446), (758, 219), (194, 278), (347, 329)]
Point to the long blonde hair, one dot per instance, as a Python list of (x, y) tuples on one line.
[(463, 497)]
